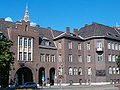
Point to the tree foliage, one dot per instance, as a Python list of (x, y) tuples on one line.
[(6, 59), (118, 61)]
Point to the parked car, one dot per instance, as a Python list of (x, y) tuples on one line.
[(27, 85)]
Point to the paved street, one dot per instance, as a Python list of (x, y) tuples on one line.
[(106, 87)]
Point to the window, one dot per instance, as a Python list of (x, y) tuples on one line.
[(47, 43), (60, 71), (114, 70), (119, 46), (25, 56), (100, 57), (79, 58), (29, 42), (80, 71), (59, 45), (29, 56), (69, 45), (109, 58), (70, 57), (79, 46), (20, 42), (70, 71), (116, 46), (60, 58), (113, 58), (117, 70), (99, 45), (25, 42), (47, 58), (88, 46), (113, 46), (20, 55), (42, 57), (52, 58), (89, 71), (75, 71), (110, 70), (116, 57), (109, 47), (25, 48), (88, 58)]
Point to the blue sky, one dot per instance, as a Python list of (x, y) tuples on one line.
[(59, 14)]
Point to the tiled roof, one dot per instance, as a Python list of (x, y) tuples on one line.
[(98, 30)]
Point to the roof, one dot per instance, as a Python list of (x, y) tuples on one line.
[(96, 30)]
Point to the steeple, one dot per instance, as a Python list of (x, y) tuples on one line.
[(26, 16)]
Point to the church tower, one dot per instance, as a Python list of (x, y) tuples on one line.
[(26, 16)]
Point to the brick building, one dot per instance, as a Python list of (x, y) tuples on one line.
[(86, 55)]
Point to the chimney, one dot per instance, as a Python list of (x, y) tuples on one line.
[(37, 26), (67, 30), (94, 23), (49, 28), (86, 25), (76, 31)]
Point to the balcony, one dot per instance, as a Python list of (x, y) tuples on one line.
[(99, 50)]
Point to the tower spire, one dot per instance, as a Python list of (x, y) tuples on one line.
[(26, 16)]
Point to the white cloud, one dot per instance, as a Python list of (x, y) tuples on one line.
[(8, 19), (33, 24)]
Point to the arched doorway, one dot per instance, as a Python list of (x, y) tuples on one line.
[(52, 76), (41, 75), (23, 75)]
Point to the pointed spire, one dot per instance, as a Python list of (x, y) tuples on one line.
[(26, 17)]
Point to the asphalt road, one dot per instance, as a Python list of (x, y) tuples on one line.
[(105, 87)]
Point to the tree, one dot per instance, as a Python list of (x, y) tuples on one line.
[(118, 61), (6, 59)]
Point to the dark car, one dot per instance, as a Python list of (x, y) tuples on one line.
[(27, 85)]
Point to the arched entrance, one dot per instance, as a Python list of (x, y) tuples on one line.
[(52, 76), (41, 75), (23, 75)]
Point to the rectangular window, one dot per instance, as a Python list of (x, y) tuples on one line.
[(70, 57), (25, 56), (69, 45), (29, 56), (52, 58), (25, 42), (116, 46), (100, 57), (88, 46), (109, 46), (42, 57), (59, 45), (60, 58), (113, 58), (79, 46), (20, 42), (88, 58), (109, 58), (113, 46), (119, 46), (47, 58), (79, 58), (99, 44), (20, 55), (29, 42)]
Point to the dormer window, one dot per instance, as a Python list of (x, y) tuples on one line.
[(47, 43)]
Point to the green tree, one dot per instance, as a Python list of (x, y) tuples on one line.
[(6, 59)]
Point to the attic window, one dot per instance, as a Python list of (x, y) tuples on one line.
[(109, 34), (116, 35)]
